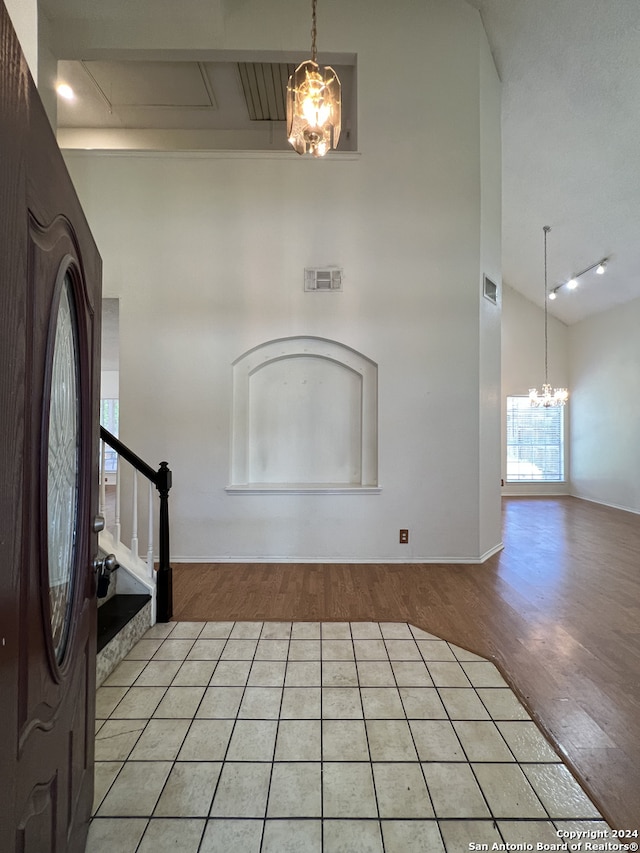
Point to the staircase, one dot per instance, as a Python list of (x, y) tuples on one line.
[(139, 592), (122, 620)]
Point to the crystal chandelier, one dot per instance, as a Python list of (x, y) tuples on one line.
[(313, 103), (548, 397)]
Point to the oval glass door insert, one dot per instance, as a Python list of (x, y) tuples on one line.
[(63, 468)]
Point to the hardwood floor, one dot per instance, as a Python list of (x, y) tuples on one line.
[(558, 610)]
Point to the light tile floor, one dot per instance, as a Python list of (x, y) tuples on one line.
[(361, 737)]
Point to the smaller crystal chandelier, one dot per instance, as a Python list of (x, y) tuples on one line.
[(548, 397), (313, 103)]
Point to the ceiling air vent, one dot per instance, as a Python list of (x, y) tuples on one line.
[(329, 278), (264, 85)]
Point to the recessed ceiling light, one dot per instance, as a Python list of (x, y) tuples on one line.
[(65, 91)]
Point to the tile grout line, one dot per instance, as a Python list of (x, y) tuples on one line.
[(175, 760), (148, 819), (517, 763), (275, 742), (106, 793), (464, 752), (415, 746), (193, 719), (237, 716), (110, 717), (473, 773), (321, 744), (366, 734)]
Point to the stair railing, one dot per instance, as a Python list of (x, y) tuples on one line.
[(161, 479)]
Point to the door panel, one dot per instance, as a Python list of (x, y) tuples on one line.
[(49, 398)]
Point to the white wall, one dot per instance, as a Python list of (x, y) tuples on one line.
[(605, 380), (206, 253), (490, 315), (523, 368), (109, 384)]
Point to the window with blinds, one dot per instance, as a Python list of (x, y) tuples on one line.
[(109, 419), (535, 442)]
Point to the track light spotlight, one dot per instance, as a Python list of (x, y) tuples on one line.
[(65, 91)]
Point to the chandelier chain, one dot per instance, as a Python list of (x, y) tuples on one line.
[(314, 32), (548, 397), (546, 230)]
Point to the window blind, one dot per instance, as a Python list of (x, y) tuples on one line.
[(535, 442)]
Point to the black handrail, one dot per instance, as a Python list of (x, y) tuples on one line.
[(161, 479)]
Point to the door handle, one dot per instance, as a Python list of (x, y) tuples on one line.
[(103, 569), (107, 565)]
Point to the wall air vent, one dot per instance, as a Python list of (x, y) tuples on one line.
[(490, 290), (326, 279)]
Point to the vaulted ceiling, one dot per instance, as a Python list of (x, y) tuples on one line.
[(570, 72)]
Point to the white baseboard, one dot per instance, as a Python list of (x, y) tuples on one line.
[(337, 560), (604, 503), (491, 552)]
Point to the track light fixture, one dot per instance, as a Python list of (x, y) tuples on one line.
[(599, 266)]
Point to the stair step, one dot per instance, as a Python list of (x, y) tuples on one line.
[(117, 612)]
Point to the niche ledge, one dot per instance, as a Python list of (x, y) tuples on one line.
[(302, 489)]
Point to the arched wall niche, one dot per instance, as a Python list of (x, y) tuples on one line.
[(305, 418)]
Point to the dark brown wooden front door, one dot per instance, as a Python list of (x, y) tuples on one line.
[(49, 388)]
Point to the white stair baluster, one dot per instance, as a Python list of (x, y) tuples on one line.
[(150, 540), (118, 527), (134, 523)]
